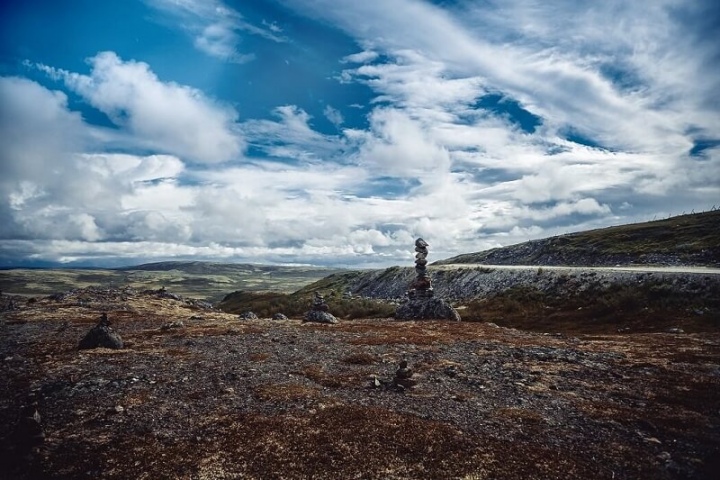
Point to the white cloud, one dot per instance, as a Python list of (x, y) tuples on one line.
[(216, 28), (333, 115), (160, 115), (361, 57), (291, 136), (431, 163)]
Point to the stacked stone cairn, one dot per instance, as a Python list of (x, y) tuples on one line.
[(422, 286), (421, 303), (320, 311), (101, 336)]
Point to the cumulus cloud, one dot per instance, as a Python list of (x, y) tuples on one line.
[(160, 115), (619, 94)]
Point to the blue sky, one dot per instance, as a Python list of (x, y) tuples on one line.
[(335, 132)]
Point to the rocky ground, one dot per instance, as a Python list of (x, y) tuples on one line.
[(201, 394)]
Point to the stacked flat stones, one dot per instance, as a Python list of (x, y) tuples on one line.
[(421, 303), (422, 285), (101, 336), (320, 311)]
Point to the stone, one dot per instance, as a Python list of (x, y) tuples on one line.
[(248, 316), (173, 325), (426, 308), (101, 336), (28, 432), (279, 316), (320, 317)]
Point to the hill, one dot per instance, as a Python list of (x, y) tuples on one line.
[(692, 239), (205, 280)]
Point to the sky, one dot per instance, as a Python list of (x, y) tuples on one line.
[(335, 132)]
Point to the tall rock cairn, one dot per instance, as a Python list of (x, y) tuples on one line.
[(421, 287), (421, 303)]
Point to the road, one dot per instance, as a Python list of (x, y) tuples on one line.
[(618, 268)]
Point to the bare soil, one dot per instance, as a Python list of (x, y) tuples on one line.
[(224, 398)]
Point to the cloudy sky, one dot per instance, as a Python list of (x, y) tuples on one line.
[(334, 132)]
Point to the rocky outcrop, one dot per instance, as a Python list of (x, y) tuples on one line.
[(467, 283)]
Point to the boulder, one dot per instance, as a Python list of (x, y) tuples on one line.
[(426, 309), (320, 317), (248, 316), (279, 316)]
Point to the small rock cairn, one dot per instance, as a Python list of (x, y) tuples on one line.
[(421, 303), (320, 311), (101, 335)]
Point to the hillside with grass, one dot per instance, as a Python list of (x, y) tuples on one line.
[(692, 239), (203, 280)]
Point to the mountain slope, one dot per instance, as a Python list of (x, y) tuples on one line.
[(692, 239)]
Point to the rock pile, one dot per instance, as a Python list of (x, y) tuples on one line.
[(320, 311), (421, 303), (422, 285), (403, 377), (101, 335)]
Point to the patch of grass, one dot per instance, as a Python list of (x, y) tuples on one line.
[(335, 379), (691, 238), (284, 392), (265, 304), (647, 307), (523, 415), (360, 358), (258, 357)]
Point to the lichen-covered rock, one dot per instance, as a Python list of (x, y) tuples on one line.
[(176, 324), (320, 317), (426, 309), (101, 336)]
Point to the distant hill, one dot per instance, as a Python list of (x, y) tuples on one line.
[(692, 239), (218, 268), (205, 280)]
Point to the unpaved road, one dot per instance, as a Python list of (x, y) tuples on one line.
[(618, 268)]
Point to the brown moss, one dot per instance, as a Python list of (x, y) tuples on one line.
[(360, 358), (288, 392)]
